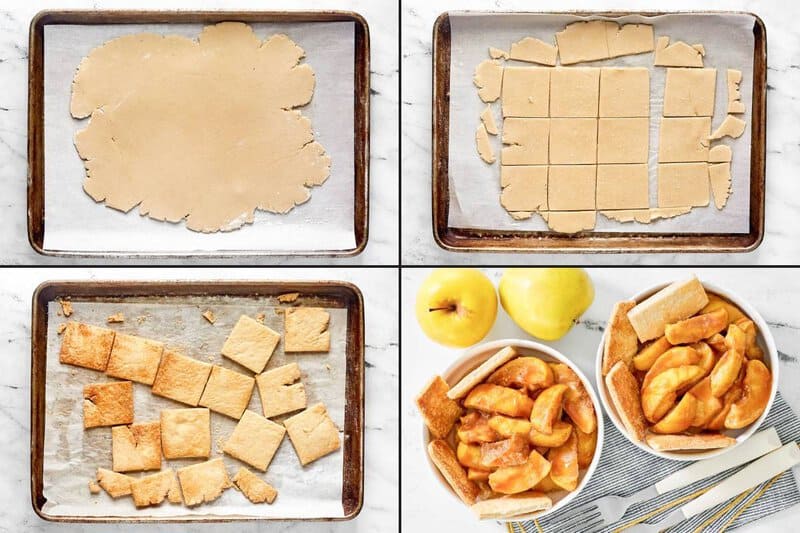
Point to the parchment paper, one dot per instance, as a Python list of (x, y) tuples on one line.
[(475, 186), (74, 222), (72, 454)]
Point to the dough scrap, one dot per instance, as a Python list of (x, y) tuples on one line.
[(735, 104), (622, 187), (645, 216), (496, 53), (624, 92), (483, 144), (629, 39), (678, 54), (682, 184), (253, 487), (163, 136), (720, 176), (570, 221), (534, 51), (521, 215), (732, 127), (720, 154), (524, 188), (488, 78), (583, 41), (487, 117), (690, 92)]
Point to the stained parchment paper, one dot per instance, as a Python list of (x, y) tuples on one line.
[(72, 454), (75, 222), (475, 186)]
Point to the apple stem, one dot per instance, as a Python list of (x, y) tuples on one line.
[(450, 308)]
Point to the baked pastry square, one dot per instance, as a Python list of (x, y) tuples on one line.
[(573, 141), (254, 440), (134, 358), (227, 392), (253, 487), (250, 344), (181, 378), (153, 489), (574, 92), (438, 411), (623, 140), (86, 345), (524, 187), (307, 330), (313, 433), (623, 187), (690, 92), (683, 140), (186, 433), (278, 391), (107, 404), (203, 482), (526, 141), (571, 187), (624, 92), (136, 447)]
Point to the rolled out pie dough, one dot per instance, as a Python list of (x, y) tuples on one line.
[(205, 130), (534, 51)]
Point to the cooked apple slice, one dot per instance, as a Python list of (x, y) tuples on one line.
[(547, 408), (755, 396), (564, 461), (679, 418), (577, 402), (496, 399), (506, 452), (648, 355), (697, 328), (523, 372), (469, 455), (660, 394), (716, 302), (672, 358), (473, 474), (506, 426), (515, 479), (707, 405), (707, 356), (736, 339), (475, 428), (734, 393), (560, 434), (547, 485), (587, 442), (752, 349), (725, 371), (717, 343)]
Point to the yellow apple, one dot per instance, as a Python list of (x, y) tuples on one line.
[(545, 302), (456, 306)]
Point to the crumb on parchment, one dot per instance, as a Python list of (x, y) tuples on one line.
[(288, 298), (260, 317), (61, 327), (66, 307), (116, 318), (208, 314), (94, 488)]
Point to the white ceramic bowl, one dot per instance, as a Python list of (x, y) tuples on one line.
[(764, 340), (476, 355)]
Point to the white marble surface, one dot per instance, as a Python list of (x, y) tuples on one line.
[(379, 287), (15, 16), (781, 243), (426, 505)]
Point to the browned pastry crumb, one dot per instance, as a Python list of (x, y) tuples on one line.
[(61, 327), (116, 318), (94, 488), (288, 298), (66, 307), (208, 314)]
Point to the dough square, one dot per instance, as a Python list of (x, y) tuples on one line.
[(136, 447), (181, 378), (573, 141), (623, 140), (683, 184), (684, 139), (227, 392), (526, 92), (574, 92), (526, 140), (624, 92), (107, 404), (134, 358), (186, 433), (571, 187), (86, 345), (152, 489), (250, 344), (254, 440), (690, 92), (203, 482), (571, 221), (278, 391), (253, 487), (306, 330), (313, 433), (623, 187), (583, 41), (524, 187)]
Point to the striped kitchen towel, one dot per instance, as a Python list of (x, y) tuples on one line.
[(625, 469)]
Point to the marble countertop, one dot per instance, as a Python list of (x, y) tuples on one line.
[(781, 243), (379, 287), (428, 507), (15, 16)]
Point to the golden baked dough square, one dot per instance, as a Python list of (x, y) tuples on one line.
[(571, 187), (254, 440), (306, 330), (624, 92), (278, 391), (573, 141), (115, 484), (526, 92), (524, 187), (623, 140), (107, 404), (203, 482), (136, 447), (574, 92), (690, 92), (623, 187), (253, 487), (181, 378), (250, 344), (134, 358), (186, 433), (86, 345), (683, 140), (439, 411), (683, 184), (526, 141), (227, 392), (153, 489), (313, 433)]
